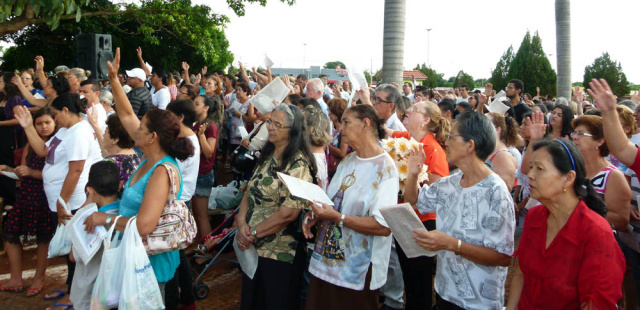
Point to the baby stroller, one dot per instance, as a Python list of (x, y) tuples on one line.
[(217, 242)]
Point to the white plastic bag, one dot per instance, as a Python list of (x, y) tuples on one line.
[(225, 197), (60, 244), (108, 285), (140, 290)]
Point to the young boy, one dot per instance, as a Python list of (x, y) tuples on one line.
[(102, 189)]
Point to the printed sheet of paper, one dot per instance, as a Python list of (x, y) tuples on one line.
[(497, 106), (402, 221), (248, 258), (85, 245), (276, 90), (268, 63), (305, 190), (358, 81), (9, 174), (236, 105)]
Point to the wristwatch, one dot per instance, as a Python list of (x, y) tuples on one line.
[(109, 218), (254, 232)]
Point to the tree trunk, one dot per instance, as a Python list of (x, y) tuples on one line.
[(563, 47), (393, 40)]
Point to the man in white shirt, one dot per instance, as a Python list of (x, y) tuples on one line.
[(314, 90), (90, 89), (160, 96), (387, 96), (464, 93), (407, 90)]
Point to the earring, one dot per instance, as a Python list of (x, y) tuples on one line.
[(565, 190)]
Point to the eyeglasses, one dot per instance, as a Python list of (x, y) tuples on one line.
[(378, 99), (509, 87), (450, 136), (276, 124), (580, 134)]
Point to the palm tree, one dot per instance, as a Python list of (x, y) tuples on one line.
[(393, 41), (563, 47)]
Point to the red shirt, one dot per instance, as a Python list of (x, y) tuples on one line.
[(583, 263), (206, 164), (436, 161), (636, 164)]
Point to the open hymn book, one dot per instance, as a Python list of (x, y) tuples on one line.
[(402, 221), (305, 190)]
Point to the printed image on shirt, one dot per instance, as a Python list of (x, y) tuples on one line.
[(51, 154)]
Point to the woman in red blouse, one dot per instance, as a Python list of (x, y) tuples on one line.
[(568, 257)]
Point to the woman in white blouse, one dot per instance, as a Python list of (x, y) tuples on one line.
[(351, 256), (475, 219)]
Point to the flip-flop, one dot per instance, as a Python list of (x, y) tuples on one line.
[(13, 289), (33, 291), (59, 296), (67, 306)]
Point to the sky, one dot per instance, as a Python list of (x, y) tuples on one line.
[(467, 35)]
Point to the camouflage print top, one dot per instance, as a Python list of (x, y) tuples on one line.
[(267, 193)]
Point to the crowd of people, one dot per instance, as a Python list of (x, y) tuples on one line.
[(550, 187)]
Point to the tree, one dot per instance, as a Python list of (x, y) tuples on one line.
[(463, 79), (499, 75), (334, 64), (393, 40), (605, 68), (434, 79), (190, 33), (532, 67), (18, 14), (563, 47)]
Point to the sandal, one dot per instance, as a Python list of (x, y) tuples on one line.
[(12, 289), (67, 306), (33, 291), (59, 295)]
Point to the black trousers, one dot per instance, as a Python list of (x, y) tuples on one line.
[(275, 285), (442, 304), (417, 274), (179, 290)]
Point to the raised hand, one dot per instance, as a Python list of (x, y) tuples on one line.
[(23, 116), (538, 128), (202, 129), (92, 116), (488, 89), (139, 51), (287, 81), (114, 66), (602, 96), (538, 91), (39, 62), (204, 70), (17, 80), (416, 160), (185, 66)]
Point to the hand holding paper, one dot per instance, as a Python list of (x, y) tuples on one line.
[(305, 190), (404, 223)]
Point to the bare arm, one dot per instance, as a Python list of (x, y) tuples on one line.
[(23, 116), (436, 240), (339, 152), (617, 141), (69, 185), (127, 116), (92, 117), (143, 65), (517, 283), (207, 145), (27, 95), (250, 116), (243, 73), (618, 198), (366, 225), (277, 222), (504, 165)]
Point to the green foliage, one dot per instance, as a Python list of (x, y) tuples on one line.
[(463, 78), (574, 84), (532, 67), (605, 68), (634, 87), (434, 79), (167, 32), (334, 64), (499, 75)]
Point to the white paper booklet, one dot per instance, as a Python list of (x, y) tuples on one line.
[(9, 174), (248, 258), (268, 63), (497, 106), (85, 245), (276, 90), (305, 190), (402, 221)]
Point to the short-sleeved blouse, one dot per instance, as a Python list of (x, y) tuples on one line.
[(164, 264), (583, 263), (267, 193)]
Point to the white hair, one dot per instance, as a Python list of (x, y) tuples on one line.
[(315, 85)]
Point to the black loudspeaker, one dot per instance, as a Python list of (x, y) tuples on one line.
[(93, 52)]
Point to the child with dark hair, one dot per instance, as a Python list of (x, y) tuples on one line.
[(102, 189)]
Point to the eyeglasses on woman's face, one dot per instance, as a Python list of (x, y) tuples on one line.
[(580, 134), (277, 125)]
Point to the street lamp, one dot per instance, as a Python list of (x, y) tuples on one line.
[(304, 55), (428, 46)]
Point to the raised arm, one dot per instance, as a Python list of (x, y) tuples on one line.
[(23, 116), (243, 73), (185, 67), (42, 78), (537, 130), (27, 95), (142, 64), (617, 141), (92, 117), (127, 116)]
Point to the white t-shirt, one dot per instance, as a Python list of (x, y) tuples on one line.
[(342, 256), (69, 144), (102, 116), (189, 169), (483, 215), (160, 99), (322, 174)]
